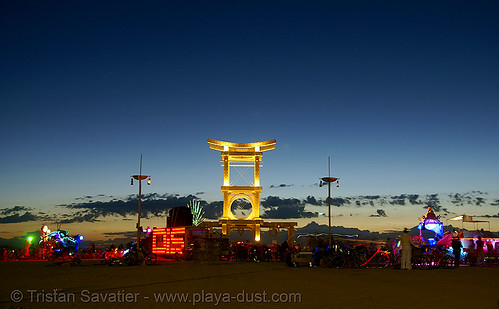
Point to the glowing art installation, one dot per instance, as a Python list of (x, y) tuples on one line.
[(430, 222), (241, 155), (197, 212), (237, 215), (169, 241)]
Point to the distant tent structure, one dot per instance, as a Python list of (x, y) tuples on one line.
[(466, 218)]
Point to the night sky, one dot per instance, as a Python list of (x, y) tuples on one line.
[(404, 97)]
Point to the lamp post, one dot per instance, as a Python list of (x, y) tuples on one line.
[(139, 177), (329, 180)]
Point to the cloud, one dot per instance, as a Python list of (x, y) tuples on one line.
[(458, 199), (86, 197), (13, 215), (370, 197), (360, 203), (380, 213), (288, 212), (398, 200), (433, 201), (275, 201), (213, 210), (401, 199), (90, 209), (152, 204), (314, 228), (479, 201), (278, 208), (435, 207), (92, 197), (16, 218), (82, 216), (338, 201), (413, 199), (312, 201), (489, 216), (335, 201), (282, 185), (15, 209), (470, 198), (366, 200)]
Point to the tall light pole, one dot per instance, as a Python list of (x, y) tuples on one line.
[(139, 177), (329, 180)]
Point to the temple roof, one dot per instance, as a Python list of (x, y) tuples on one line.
[(242, 147)]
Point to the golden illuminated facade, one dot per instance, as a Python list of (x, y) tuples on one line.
[(244, 155)]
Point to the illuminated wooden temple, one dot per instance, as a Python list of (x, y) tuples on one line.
[(246, 155)]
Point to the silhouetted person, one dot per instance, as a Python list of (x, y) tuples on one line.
[(472, 254), (479, 252), (490, 248), (283, 248), (388, 245), (456, 249), (405, 240)]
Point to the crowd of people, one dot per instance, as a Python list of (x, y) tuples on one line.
[(475, 250), (472, 252)]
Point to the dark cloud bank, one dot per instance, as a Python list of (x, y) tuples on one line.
[(88, 209)]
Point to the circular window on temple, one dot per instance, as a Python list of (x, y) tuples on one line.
[(241, 208)]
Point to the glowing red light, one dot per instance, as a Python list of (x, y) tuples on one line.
[(168, 240)]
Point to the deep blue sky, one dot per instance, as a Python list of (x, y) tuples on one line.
[(403, 96)]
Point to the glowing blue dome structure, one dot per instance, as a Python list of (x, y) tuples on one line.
[(430, 222)]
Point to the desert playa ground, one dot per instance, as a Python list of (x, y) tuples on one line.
[(242, 285)]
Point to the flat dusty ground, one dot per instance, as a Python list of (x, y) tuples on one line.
[(242, 285)]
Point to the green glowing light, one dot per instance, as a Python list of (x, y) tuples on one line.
[(197, 212)]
